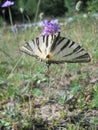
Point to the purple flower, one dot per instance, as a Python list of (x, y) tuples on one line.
[(7, 4), (51, 27)]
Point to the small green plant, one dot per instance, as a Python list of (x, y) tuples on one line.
[(92, 6), (62, 99), (95, 98), (5, 124), (37, 92), (70, 5)]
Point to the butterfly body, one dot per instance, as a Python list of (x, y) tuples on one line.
[(56, 49)]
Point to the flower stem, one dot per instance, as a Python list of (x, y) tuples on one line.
[(10, 15), (37, 10)]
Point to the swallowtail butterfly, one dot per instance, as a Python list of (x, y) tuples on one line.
[(55, 49)]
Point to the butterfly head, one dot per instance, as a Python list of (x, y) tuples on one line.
[(48, 64)]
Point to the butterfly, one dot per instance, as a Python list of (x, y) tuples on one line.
[(55, 49)]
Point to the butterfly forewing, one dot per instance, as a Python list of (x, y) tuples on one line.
[(69, 51), (56, 49), (39, 47)]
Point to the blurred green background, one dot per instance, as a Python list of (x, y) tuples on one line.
[(26, 9)]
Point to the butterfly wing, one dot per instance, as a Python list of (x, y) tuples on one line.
[(65, 50), (39, 47)]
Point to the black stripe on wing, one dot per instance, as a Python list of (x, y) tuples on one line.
[(43, 39), (57, 40), (72, 43), (77, 48), (65, 45), (37, 43), (47, 41), (27, 45), (81, 49), (83, 57), (47, 38)]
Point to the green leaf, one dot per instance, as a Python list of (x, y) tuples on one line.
[(37, 92)]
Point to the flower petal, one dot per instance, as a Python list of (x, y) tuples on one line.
[(7, 4), (50, 27)]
